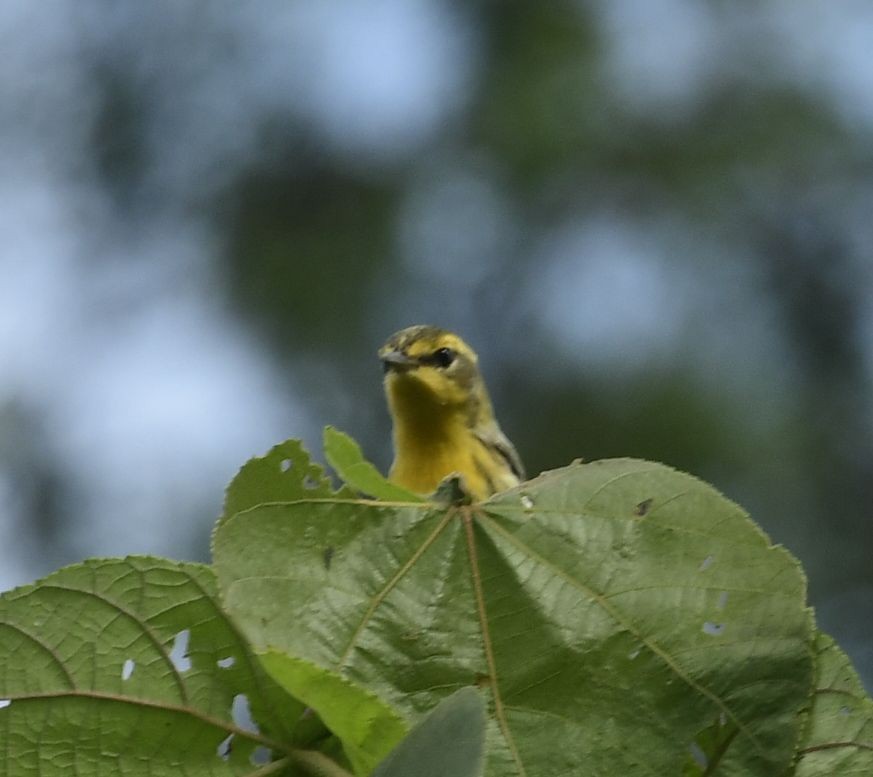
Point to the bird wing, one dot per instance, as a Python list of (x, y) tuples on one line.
[(493, 437)]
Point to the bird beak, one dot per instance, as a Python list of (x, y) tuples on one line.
[(396, 360)]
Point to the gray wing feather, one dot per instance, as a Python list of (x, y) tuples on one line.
[(493, 437)]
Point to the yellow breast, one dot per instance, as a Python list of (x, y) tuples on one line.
[(422, 463)]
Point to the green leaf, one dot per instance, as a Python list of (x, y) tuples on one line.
[(838, 739), (450, 742), (366, 726), (130, 667), (285, 474), (611, 612), (347, 460)]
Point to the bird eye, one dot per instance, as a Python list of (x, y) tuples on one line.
[(443, 357)]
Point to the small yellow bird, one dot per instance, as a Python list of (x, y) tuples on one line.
[(443, 422)]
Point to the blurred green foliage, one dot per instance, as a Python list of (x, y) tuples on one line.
[(763, 165), (757, 163)]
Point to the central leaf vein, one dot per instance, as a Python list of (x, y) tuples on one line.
[(499, 712), (386, 589)]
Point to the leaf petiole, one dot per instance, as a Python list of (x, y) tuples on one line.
[(312, 762)]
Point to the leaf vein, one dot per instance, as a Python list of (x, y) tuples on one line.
[(618, 617), (486, 642), (55, 657), (146, 630), (380, 596)]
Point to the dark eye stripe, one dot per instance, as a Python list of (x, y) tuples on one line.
[(442, 357)]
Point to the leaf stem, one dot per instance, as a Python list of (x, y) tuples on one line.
[(314, 763), (271, 768)]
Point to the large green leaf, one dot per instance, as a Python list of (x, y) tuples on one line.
[(838, 741), (614, 613), (129, 667)]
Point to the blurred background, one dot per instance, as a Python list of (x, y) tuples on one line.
[(652, 218)]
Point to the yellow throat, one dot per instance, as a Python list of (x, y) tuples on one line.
[(442, 416)]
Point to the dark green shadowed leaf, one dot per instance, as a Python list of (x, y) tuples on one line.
[(347, 460), (838, 740), (450, 492), (449, 742), (612, 613), (366, 727), (129, 667)]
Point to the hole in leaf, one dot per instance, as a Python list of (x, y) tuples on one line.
[(722, 600), (286, 464), (226, 663), (225, 747), (127, 668), (310, 482), (706, 564), (713, 629), (5, 703), (634, 654), (179, 653), (526, 502), (722, 719), (844, 711), (698, 755), (261, 755), (242, 714)]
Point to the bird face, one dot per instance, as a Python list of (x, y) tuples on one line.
[(432, 363)]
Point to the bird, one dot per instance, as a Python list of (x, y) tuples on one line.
[(443, 422)]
